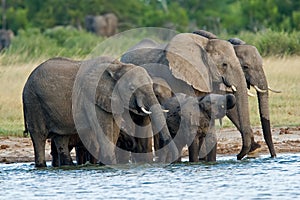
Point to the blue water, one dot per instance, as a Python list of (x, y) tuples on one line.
[(260, 178)]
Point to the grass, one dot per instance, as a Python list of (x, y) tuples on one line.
[(282, 73)]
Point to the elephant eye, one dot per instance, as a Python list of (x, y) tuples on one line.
[(245, 67), (224, 65)]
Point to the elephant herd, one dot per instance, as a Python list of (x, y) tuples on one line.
[(149, 104)]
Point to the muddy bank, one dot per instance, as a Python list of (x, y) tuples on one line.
[(18, 149)]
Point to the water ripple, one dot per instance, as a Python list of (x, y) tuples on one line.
[(228, 178)]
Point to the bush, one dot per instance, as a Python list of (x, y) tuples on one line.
[(273, 43), (32, 44)]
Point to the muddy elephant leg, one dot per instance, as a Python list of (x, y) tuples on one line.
[(233, 116), (62, 147)]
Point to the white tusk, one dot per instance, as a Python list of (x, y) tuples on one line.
[(146, 111), (165, 111), (275, 91), (233, 88), (250, 94), (259, 90)]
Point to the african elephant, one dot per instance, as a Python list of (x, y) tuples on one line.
[(190, 119), (62, 98), (251, 63), (195, 65), (5, 38), (104, 25)]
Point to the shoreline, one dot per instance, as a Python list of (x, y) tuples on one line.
[(286, 140)]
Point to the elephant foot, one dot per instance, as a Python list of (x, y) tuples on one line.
[(254, 147), (40, 165)]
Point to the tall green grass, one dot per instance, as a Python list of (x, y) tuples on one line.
[(32, 45)]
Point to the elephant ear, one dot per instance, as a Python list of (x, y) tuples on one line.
[(106, 97), (188, 60)]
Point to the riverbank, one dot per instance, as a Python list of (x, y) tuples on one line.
[(286, 140)]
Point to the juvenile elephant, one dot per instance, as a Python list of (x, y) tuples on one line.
[(62, 98), (190, 119)]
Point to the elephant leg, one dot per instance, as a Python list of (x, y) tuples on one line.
[(143, 139), (54, 154), (125, 145), (194, 149), (39, 150), (62, 147), (108, 139), (81, 157), (143, 150), (233, 116)]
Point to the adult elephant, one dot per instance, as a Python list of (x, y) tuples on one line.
[(195, 65), (97, 92), (252, 65), (102, 25)]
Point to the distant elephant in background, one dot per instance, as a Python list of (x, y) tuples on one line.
[(48, 105), (102, 25), (5, 38), (191, 119)]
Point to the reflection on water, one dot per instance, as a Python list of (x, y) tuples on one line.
[(227, 179)]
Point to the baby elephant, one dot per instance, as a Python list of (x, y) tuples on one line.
[(190, 118)]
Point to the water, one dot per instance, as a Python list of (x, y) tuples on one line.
[(260, 178)]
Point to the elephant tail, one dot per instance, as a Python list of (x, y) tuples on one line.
[(25, 132)]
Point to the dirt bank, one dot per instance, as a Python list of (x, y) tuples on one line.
[(18, 149)]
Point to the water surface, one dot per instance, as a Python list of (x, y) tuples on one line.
[(260, 178)]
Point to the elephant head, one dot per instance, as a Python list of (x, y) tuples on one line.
[(252, 65), (117, 88)]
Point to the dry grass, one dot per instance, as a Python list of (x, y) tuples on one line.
[(282, 74), (12, 80)]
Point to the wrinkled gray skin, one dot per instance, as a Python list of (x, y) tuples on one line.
[(47, 105), (102, 25), (218, 59), (5, 38), (190, 119), (252, 65)]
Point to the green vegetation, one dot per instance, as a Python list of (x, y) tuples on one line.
[(229, 16)]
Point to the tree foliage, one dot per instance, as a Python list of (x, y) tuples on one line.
[(230, 16)]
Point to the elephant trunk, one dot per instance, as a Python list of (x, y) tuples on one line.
[(263, 104), (169, 152), (243, 116)]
